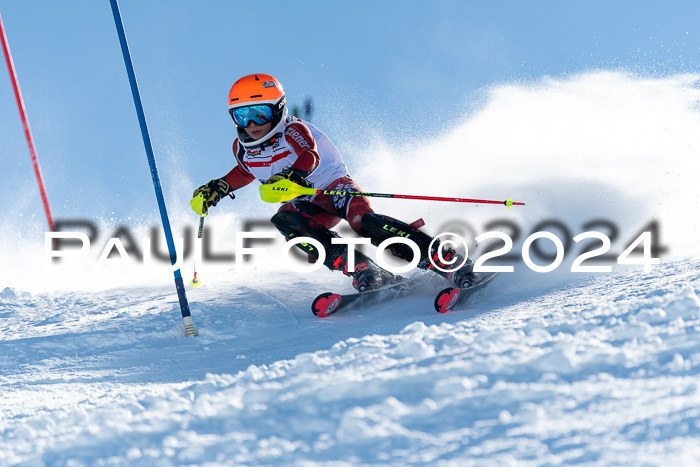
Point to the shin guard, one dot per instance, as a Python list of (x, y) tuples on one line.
[(378, 227)]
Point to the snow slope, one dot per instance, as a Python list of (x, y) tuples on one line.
[(604, 371), (597, 369)]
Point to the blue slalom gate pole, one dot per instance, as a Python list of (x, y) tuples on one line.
[(179, 285)]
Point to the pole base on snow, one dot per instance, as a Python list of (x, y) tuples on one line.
[(189, 327)]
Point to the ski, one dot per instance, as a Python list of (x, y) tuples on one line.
[(452, 297), (329, 303)]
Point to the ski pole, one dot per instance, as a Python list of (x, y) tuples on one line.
[(197, 282), (285, 190)]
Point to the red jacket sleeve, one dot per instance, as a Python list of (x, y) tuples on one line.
[(239, 176), (299, 138)]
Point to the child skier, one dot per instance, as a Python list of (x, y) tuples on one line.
[(272, 146)]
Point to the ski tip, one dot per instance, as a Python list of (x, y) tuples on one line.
[(446, 299), (325, 304)]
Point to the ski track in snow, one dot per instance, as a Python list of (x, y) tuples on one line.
[(602, 370)]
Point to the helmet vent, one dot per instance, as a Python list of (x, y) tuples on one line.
[(257, 95)]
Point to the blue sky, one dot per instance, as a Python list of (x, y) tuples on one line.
[(399, 69)]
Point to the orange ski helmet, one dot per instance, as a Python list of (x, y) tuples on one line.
[(258, 98)]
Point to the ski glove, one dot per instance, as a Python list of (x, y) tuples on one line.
[(288, 173), (211, 193)]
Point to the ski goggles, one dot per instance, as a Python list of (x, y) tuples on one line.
[(259, 114)]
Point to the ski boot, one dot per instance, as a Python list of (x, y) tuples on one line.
[(366, 275), (463, 277)]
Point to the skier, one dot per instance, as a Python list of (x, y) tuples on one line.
[(272, 146)]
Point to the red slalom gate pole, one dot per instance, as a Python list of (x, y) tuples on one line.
[(25, 122)]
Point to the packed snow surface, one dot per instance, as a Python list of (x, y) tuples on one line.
[(603, 371), (593, 369)]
